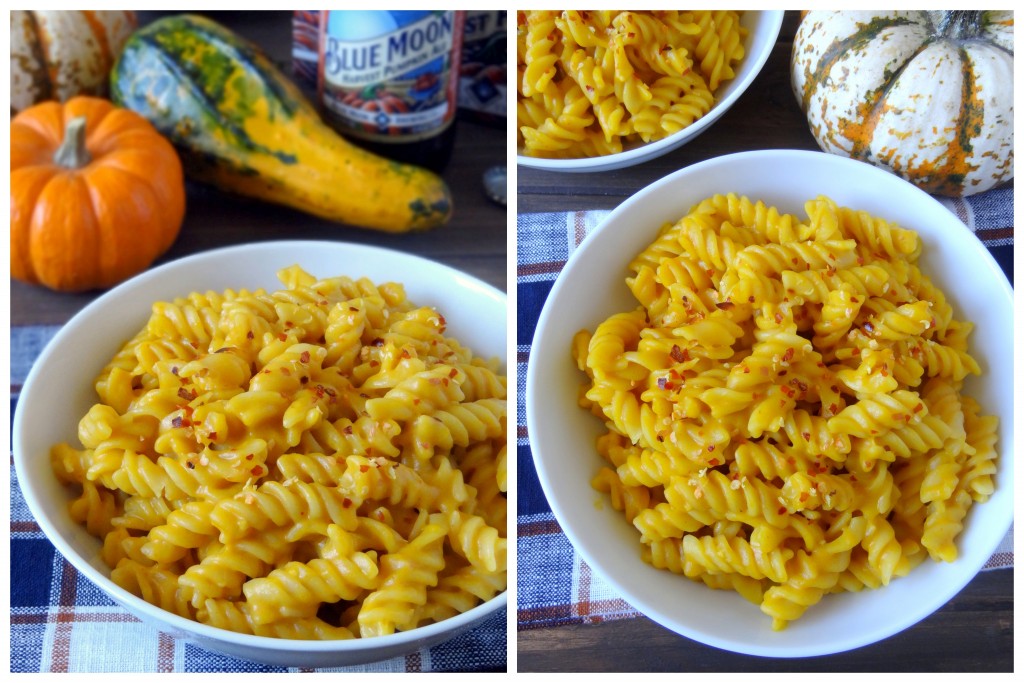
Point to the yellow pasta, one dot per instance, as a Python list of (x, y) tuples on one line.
[(783, 407), (592, 83), (320, 461)]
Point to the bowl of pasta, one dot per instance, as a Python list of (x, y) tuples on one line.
[(788, 392), (279, 451), (603, 90)]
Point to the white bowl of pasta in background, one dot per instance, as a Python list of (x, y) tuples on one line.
[(562, 435), (59, 391), (763, 27)]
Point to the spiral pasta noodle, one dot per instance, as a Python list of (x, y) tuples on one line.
[(593, 83), (783, 409), (320, 461)]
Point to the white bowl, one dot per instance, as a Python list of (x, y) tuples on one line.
[(58, 392), (591, 287), (764, 27)]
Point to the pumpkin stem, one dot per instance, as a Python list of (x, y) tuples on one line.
[(959, 24), (72, 152)]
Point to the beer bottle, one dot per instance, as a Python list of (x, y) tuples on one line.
[(388, 80)]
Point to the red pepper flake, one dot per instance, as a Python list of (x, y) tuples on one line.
[(257, 471), (726, 305), (249, 457), (174, 370), (854, 300), (711, 449), (213, 436), (189, 464), (677, 354), (435, 381), (782, 510), (833, 408), (346, 503), (919, 407), (176, 422), (249, 335), (364, 468), (443, 323), (788, 391), (304, 357), (303, 380), (806, 435), (804, 496), (751, 298), (778, 318), (788, 355), (283, 336), (347, 430), (186, 394)]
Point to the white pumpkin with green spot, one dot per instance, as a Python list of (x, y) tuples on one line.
[(926, 94)]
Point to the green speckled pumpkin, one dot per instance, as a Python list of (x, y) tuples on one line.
[(244, 127), (926, 94)]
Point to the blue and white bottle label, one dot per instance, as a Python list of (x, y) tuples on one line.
[(390, 75)]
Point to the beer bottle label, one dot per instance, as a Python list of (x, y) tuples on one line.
[(390, 76)]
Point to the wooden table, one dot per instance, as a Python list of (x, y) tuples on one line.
[(474, 241), (973, 632)]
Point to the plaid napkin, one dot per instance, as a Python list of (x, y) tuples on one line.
[(61, 622), (555, 586)]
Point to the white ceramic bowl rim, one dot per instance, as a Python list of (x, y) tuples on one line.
[(185, 628), (768, 32), (572, 513)]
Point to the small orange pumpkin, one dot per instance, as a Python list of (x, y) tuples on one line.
[(97, 194)]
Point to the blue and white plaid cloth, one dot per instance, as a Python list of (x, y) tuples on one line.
[(555, 586), (61, 622)]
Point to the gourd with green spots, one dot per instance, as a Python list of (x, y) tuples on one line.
[(243, 126), (926, 94)]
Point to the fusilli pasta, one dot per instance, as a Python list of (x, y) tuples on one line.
[(783, 408), (321, 461), (592, 83)]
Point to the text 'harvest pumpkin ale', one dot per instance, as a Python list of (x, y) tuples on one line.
[(389, 80)]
